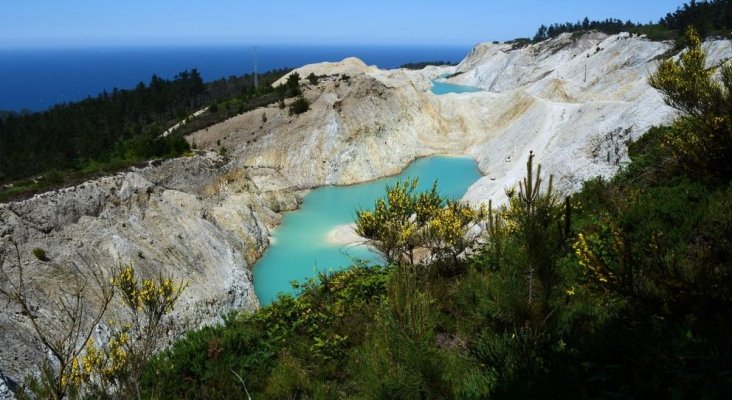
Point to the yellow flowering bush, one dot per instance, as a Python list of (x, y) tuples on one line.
[(117, 367), (405, 220), (701, 139), (393, 227), (452, 230)]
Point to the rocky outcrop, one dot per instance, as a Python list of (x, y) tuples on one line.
[(574, 100), (6, 387), (198, 219)]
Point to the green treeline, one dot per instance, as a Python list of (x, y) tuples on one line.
[(609, 26), (122, 124), (623, 290), (118, 128), (712, 17), (423, 64)]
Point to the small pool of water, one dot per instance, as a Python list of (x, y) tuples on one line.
[(300, 248), (445, 88)]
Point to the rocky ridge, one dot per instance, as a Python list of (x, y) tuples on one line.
[(198, 219), (574, 100)]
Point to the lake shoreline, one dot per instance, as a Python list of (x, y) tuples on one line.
[(318, 235)]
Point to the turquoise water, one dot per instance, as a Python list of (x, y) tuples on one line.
[(445, 88), (299, 248)]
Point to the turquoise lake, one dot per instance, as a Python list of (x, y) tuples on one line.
[(299, 248), (445, 88)]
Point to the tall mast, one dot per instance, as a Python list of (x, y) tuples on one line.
[(256, 80)]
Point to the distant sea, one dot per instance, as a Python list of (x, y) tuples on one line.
[(35, 79)]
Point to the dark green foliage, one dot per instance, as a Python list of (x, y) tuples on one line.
[(119, 129), (423, 64), (291, 87), (609, 26), (299, 106), (712, 17), (242, 87), (709, 18), (40, 254), (67, 135), (400, 359), (313, 79), (519, 43), (294, 347)]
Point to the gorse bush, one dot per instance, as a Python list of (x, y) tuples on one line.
[(81, 365), (700, 140), (405, 221)]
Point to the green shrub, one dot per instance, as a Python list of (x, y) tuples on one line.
[(299, 106), (40, 254), (700, 140), (313, 79), (293, 346), (400, 358)]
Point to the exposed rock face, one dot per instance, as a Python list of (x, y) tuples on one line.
[(5, 387), (534, 98), (198, 219), (207, 220)]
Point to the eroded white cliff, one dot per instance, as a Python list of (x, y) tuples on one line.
[(196, 219), (575, 100)]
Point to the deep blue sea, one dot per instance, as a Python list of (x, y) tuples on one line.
[(38, 78)]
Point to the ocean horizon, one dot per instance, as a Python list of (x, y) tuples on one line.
[(36, 79)]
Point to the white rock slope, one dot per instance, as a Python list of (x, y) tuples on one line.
[(574, 101), (196, 219)]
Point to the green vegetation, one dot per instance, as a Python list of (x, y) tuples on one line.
[(701, 140), (708, 18), (623, 290), (299, 106), (423, 64), (70, 143), (294, 347), (313, 79), (404, 222), (40, 254), (248, 98), (123, 126), (609, 26)]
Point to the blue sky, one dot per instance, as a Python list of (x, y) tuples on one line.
[(58, 23)]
